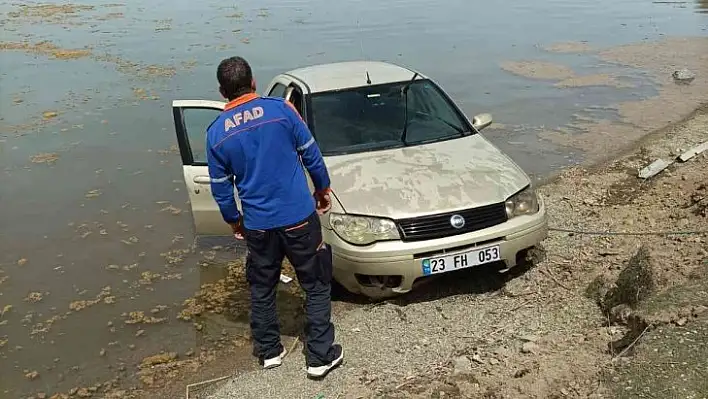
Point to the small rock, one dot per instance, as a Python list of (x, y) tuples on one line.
[(102, 353), (477, 358), (683, 76), (462, 365), (620, 314), (699, 310), (147, 380), (681, 322), (493, 361), (529, 347), (521, 373), (32, 375), (140, 333)]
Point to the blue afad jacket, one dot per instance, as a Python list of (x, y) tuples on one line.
[(256, 144)]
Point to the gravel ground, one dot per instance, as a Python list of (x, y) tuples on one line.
[(533, 334)]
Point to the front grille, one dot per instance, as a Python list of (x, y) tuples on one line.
[(438, 226)]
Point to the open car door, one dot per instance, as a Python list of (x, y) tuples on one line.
[(192, 117)]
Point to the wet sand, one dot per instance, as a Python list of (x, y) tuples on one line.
[(592, 80), (538, 70), (637, 118), (569, 47)]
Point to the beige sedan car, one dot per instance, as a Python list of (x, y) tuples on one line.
[(417, 190)]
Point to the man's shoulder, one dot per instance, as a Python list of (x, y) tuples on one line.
[(272, 102), (277, 105), (274, 99)]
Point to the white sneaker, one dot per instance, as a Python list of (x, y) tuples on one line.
[(274, 361), (321, 371)]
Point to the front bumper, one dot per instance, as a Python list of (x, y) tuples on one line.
[(390, 268)]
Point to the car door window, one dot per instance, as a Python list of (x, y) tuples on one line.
[(277, 91), (196, 121), (296, 100)]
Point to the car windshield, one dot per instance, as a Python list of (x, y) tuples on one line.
[(372, 117)]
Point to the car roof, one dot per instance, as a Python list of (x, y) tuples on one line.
[(349, 74)]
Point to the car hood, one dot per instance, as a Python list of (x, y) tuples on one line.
[(424, 179)]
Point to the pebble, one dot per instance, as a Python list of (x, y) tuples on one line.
[(684, 76), (462, 365), (699, 310), (529, 347)]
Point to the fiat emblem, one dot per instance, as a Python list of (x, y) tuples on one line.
[(457, 221)]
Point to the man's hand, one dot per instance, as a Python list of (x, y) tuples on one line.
[(323, 201), (237, 229)]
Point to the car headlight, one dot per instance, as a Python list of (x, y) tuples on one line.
[(525, 202), (362, 230)]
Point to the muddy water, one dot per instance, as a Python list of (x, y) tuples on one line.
[(95, 222)]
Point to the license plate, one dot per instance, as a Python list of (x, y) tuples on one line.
[(446, 263)]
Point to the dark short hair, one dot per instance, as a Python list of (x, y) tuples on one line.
[(234, 76)]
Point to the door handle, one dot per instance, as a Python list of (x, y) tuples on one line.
[(202, 179)]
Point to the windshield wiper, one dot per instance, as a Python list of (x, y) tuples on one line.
[(404, 90)]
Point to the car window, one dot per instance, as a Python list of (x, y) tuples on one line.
[(196, 121), (278, 90), (296, 100), (372, 117)]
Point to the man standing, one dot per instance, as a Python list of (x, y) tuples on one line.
[(260, 144)]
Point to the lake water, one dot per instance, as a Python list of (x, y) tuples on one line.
[(103, 216)]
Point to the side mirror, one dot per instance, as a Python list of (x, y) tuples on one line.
[(481, 121)]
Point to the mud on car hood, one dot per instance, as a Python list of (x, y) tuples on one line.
[(425, 179)]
